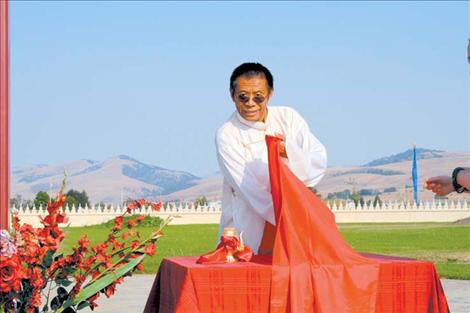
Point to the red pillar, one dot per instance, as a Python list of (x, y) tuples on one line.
[(4, 195)]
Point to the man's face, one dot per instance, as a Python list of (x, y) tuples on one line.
[(251, 97)]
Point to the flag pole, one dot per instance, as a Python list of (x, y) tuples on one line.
[(414, 174)]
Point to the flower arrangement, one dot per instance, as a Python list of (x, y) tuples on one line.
[(36, 277)]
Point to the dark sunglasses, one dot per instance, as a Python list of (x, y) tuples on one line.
[(256, 99)]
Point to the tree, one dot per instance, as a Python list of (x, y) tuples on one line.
[(42, 198), (390, 189), (17, 201), (201, 201), (377, 201), (71, 201), (345, 194), (356, 197), (81, 198)]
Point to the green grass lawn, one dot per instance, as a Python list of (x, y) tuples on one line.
[(445, 244)]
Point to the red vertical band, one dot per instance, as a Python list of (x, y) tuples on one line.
[(4, 195)]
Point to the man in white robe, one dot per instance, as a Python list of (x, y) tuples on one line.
[(243, 158)]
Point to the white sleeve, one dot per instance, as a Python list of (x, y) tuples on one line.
[(241, 179), (306, 154)]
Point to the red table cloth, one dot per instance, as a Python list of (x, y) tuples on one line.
[(182, 286), (312, 268)]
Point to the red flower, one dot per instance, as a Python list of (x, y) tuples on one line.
[(140, 267), (92, 300), (83, 242), (131, 223), (35, 300), (95, 274), (135, 244), (36, 279), (100, 248), (118, 222), (132, 206), (150, 249), (140, 218), (109, 291), (156, 206), (16, 222), (11, 273)]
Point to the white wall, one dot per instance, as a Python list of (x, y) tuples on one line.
[(345, 212)]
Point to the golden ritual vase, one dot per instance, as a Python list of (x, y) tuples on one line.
[(230, 232)]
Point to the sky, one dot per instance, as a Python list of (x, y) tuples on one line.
[(91, 80)]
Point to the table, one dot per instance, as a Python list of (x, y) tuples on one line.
[(181, 285)]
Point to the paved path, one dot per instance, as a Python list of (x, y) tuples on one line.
[(131, 296)]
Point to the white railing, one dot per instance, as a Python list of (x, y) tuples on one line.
[(188, 213)]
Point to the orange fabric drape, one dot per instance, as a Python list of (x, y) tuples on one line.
[(313, 268)]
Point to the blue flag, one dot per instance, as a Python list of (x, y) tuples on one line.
[(414, 173)]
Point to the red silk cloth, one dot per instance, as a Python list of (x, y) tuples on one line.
[(183, 286), (312, 268), (219, 255)]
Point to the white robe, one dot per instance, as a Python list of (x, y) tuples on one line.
[(243, 160)]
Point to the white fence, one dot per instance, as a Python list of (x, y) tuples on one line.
[(345, 212)]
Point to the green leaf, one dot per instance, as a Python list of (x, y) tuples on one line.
[(103, 282), (62, 294), (55, 303), (82, 305), (47, 261), (63, 282)]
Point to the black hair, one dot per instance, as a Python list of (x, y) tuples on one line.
[(251, 69)]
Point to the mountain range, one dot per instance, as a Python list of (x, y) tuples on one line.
[(121, 177), (111, 180)]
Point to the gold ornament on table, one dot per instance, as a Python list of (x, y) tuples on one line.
[(232, 232)]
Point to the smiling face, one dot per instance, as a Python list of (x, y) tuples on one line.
[(251, 96)]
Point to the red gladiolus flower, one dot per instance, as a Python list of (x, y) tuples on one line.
[(92, 300), (35, 300), (156, 206), (131, 206), (109, 291), (150, 249), (118, 222), (131, 223), (135, 244), (36, 279), (100, 248), (140, 218), (140, 267), (83, 242)]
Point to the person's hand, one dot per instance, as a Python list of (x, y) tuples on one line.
[(440, 185), (282, 146)]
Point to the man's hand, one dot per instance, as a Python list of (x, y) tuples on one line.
[(282, 146), (440, 185)]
